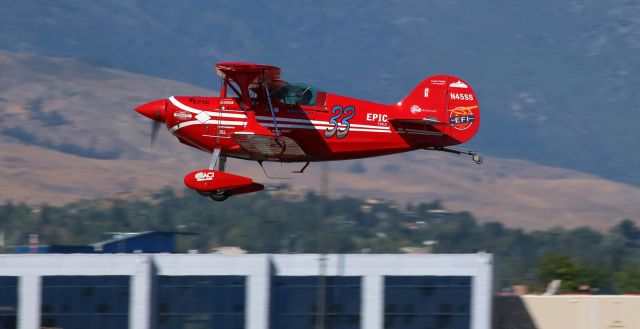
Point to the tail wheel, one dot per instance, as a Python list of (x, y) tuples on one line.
[(219, 195)]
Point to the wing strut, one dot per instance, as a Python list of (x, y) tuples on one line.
[(266, 174), (273, 114), (301, 170)]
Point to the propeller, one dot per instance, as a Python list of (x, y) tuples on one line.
[(155, 126), (154, 111)]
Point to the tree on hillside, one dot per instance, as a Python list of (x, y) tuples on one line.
[(557, 266), (628, 280), (623, 244)]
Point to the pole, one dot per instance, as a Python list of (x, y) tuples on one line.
[(322, 248)]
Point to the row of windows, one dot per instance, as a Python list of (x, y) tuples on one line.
[(427, 281), (72, 302), (219, 301), (8, 302), (427, 302), (8, 295), (204, 321), (296, 301), (427, 321), (85, 281), (83, 321), (201, 295), (8, 321), (331, 321), (201, 281)]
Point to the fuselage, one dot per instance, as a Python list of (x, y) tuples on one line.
[(260, 117), (334, 128)]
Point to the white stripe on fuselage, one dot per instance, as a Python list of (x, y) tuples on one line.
[(271, 125), (319, 127), (268, 119), (223, 114), (210, 122)]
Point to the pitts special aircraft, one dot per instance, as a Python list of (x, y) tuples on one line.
[(260, 117)]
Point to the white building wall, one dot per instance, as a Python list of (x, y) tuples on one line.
[(258, 268)]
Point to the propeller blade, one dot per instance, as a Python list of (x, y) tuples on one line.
[(154, 111), (155, 126)]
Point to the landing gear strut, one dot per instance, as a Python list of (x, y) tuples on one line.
[(215, 155), (220, 161), (474, 155)]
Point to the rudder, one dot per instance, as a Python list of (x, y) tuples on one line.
[(448, 100)]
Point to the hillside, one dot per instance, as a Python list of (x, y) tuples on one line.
[(89, 109), (557, 80), (78, 108)]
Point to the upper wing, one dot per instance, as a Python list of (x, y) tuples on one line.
[(235, 70), (248, 78)]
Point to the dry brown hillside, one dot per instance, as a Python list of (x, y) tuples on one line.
[(68, 131)]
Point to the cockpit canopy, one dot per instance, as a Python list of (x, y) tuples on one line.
[(296, 94)]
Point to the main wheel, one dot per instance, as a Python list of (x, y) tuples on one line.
[(477, 159), (219, 196)]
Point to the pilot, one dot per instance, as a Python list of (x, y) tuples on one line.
[(304, 98)]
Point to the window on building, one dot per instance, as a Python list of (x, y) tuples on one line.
[(8, 302), (79, 302), (295, 301), (201, 302), (427, 302)]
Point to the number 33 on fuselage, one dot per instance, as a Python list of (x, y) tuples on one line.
[(260, 117)]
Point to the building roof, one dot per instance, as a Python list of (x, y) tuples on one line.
[(123, 236)]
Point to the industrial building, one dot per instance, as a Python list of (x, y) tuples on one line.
[(118, 242), (255, 291)]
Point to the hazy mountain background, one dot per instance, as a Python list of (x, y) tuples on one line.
[(557, 84), (68, 132), (557, 80)]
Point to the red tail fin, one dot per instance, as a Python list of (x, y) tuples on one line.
[(447, 100)]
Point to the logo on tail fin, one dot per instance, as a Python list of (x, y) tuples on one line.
[(458, 84), (461, 118)]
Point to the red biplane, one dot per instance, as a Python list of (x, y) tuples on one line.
[(260, 117)]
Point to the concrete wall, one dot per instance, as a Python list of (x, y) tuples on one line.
[(567, 312)]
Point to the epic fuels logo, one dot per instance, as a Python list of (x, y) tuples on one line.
[(461, 118)]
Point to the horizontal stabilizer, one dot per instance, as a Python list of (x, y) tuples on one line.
[(429, 121), (428, 127)]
